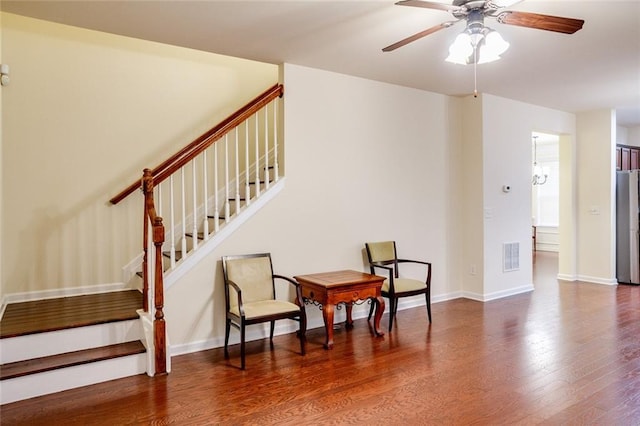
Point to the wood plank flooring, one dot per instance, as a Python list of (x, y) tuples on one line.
[(567, 353), (56, 314)]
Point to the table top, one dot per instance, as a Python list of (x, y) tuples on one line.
[(338, 278)]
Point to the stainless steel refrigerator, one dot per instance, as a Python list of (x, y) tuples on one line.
[(627, 227)]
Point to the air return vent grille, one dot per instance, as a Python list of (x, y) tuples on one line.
[(510, 257)]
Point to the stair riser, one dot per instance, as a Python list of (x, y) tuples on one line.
[(56, 342), (48, 382)]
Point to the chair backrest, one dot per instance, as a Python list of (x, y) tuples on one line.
[(382, 251), (253, 273)]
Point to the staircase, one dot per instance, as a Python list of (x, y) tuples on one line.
[(52, 345)]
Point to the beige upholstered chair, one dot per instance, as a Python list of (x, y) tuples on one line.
[(383, 255), (250, 298)]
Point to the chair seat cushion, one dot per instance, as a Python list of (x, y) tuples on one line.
[(404, 284), (265, 307)]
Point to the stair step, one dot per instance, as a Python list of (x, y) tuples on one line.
[(178, 254), (46, 315), (53, 362), (200, 235)]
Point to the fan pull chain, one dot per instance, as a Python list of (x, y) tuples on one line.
[(475, 73)]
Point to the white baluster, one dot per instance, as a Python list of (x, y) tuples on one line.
[(216, 204), (184, 213), (172, 234), (247, 168), (276, 171), (227, 209), (195, 205), (266, 146), (158, 199), (257, 178), (237, 175), (204, 191)]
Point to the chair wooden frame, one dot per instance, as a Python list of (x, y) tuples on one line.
[(391, 266), (241, 321)]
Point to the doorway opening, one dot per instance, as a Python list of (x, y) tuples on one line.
[(545, 192)]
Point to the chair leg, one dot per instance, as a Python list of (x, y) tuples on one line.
[(428, 297), (373, 305), (302, 332), (392, 311), (273, 326), (242, 351), (226, 338)]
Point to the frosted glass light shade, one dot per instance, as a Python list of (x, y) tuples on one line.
[(486, 43), (460, 49), (494, 43)]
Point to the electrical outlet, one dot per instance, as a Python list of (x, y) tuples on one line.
[(472, 269)]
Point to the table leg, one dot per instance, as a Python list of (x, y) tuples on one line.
[(327, 315), (379, 301), (349, 322)]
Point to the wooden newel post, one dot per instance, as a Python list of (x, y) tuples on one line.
[(146, 185), (157, 235), (159, 327)]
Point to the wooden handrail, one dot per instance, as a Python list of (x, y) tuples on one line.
[(189, 152)]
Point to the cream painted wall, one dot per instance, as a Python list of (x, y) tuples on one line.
[(507, 127), (568, 199), (457, 233), (1, 175), (471, 170), (85, 113), (596, 137), (365, 161)]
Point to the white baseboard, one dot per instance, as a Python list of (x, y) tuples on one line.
[(597, 280), (498, 294), (566, 277)]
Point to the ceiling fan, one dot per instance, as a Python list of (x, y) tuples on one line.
[(474, 12)]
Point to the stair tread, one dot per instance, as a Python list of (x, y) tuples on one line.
[(40, 316), (53, 362), (178, 254)]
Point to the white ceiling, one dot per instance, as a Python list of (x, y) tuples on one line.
[(597, 67)]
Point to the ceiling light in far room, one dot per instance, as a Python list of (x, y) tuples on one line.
[(539, 174)]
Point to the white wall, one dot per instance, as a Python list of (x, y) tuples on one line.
[(365, 161), (507, 128), (1, 174), (633, 136), (84, 114)]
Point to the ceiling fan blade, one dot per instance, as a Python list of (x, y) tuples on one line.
[(430, 5), (417, 36), (540, 22)]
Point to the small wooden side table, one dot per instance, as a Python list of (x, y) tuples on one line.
[(331, 288)]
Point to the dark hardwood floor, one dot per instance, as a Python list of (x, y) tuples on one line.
[(568, 353)]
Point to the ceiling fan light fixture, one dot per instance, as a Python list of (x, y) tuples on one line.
[(494, 43), (488, 44), (461, 49)]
